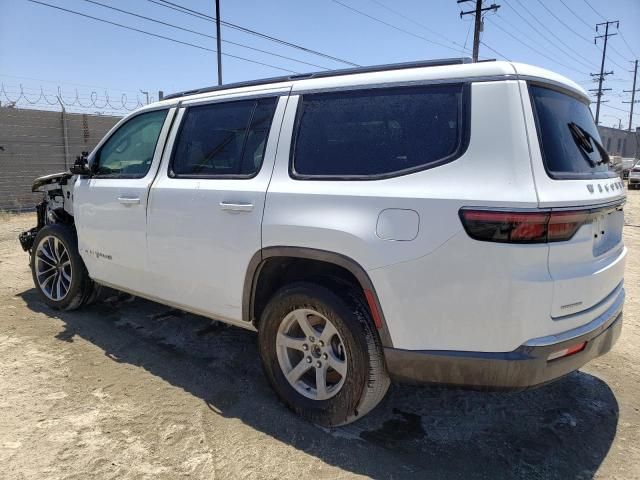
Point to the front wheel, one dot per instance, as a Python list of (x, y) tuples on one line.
[(321, 354), (58, 272)]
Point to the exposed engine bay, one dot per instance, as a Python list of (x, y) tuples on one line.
[(56, 205)]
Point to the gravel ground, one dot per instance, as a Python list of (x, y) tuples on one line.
[(134, 389)]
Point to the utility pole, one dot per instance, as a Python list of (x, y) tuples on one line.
[(633, 94), (147, 94), (602, 73), (479, 24), (219, 42)]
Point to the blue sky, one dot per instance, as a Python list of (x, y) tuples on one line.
[(44, 47)]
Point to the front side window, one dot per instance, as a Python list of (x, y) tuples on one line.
[(569, 140), (223, 139), (128, 153), (379, 132)]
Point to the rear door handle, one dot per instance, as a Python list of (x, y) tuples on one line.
[(236, 207), (129, 200)]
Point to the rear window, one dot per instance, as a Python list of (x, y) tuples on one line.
[(378, 133), (569, 140)]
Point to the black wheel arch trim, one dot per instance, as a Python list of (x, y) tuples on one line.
[(261, 256)]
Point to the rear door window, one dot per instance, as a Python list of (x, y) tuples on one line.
[(222, 140), (569, 140), (378, 133)]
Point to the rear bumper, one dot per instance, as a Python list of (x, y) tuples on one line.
[(525, 367)]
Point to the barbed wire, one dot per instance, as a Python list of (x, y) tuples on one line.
[(20, 97)]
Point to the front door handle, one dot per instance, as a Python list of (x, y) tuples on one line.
[(129, 200), (236, 207)]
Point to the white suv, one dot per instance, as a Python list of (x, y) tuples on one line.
[(446, 222)]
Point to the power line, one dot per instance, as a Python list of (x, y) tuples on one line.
[(612, 60), (466, 39), (595, 11), (562, 22), (591, 28), (614, 50), (578, 17), (610, 46), (569, 52), (160, 36), (160, 22), (395, 27), (422, 25), (494, 51), (533, 48), (203, 16), (627, 44), (619, 109)]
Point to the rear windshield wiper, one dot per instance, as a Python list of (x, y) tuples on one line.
[(586, 141)]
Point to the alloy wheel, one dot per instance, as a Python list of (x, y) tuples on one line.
[(53, 268), (311, 354)]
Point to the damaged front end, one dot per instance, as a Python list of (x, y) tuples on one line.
[(56, 206), (27, 238)]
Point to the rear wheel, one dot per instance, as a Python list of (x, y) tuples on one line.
[(58, 271), (321, 354)]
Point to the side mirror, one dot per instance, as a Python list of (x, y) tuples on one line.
[(81, 165)]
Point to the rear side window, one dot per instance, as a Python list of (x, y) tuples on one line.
[(378, 133), (569, 140), (223, 139)]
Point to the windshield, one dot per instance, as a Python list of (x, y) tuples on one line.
[(569, 140)]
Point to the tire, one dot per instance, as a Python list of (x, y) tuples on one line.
[(45, 256), (354, 348)]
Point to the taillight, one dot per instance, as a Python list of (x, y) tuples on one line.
[(522, 227), (564, 225)]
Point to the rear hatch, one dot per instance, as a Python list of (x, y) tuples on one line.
[(573, 178)]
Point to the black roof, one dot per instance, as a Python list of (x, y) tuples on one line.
[(328, 73)]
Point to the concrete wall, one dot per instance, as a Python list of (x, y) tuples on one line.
[(621, 142), (32, 145)]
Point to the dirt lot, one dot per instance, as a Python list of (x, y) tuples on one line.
[(137, 390)]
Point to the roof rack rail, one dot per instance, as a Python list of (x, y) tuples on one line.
[(328, 73)]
